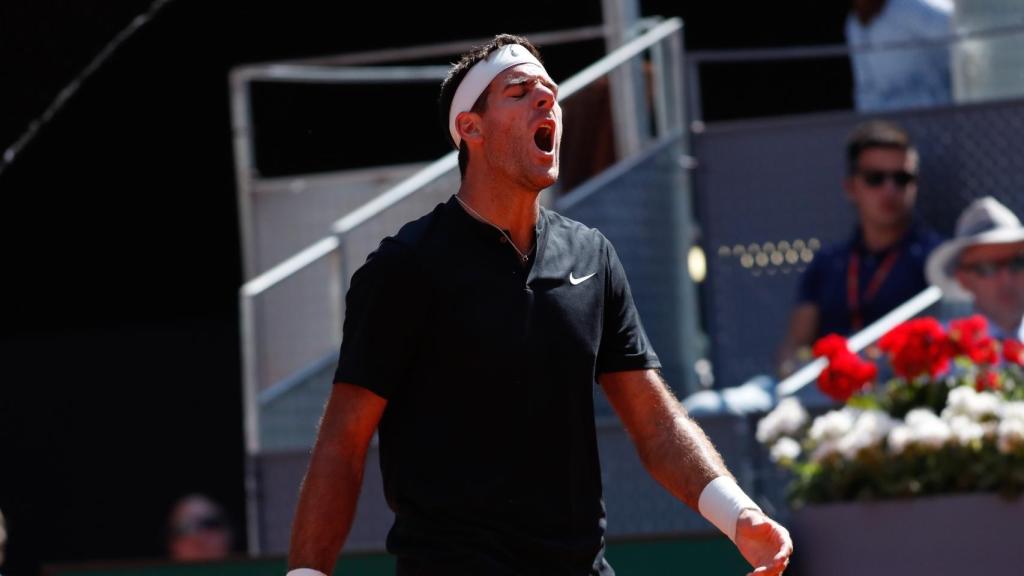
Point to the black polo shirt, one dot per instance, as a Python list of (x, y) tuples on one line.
[(488, 445)]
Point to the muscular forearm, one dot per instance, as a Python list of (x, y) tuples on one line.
[(680, 457), (326, 507), (327, 501), (671, 446)]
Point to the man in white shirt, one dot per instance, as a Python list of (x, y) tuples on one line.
[(985, 263), (890, 73)]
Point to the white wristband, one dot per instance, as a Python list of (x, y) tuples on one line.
[(305, 572), (721, 502)]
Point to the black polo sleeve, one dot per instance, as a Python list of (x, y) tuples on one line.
[(624, 344), (382, 321)]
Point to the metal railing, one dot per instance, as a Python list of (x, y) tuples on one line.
[(861, 340)]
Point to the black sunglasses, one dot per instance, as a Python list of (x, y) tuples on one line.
[(876, 178), (990, 268)]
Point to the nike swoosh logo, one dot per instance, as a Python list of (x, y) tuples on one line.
[(574, 281)]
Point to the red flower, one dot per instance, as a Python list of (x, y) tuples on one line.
[(1013, 351), (845, 375), (986, 380), (829, 346), (969, 337), (917, 347)]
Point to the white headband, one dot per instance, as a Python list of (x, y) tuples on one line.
[(480, 76)]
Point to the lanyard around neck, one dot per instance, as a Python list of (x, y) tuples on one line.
[(854, 300)]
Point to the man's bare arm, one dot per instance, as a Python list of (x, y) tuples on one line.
[(672, 447), (327, 501), (681, 458), (803, 327)]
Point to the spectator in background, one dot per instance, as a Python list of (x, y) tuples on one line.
[(901, 76), (198, 529), (984, 263), (850, 285)]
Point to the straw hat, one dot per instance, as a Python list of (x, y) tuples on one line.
[(984, 221)]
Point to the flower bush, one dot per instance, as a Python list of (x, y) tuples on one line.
[(950, 419)]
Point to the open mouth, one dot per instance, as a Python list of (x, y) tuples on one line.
[(544, 138)]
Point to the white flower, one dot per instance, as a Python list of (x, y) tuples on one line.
[(986, 405), (1013, 411), (786, 420), (965, 401), (833, 425), (899, 437), (786, 449), (934, 435), (1011, 435), (958, 401), (870, 429), (920, 417), (927, 429), (965, 431), (848, 431)]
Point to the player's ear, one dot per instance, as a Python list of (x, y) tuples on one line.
[(467, 124)]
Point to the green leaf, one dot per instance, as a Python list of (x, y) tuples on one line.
[(864, 402)]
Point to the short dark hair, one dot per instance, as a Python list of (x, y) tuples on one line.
[(874, 134), (458, 71)]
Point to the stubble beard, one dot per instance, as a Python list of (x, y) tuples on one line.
[(518, 165)]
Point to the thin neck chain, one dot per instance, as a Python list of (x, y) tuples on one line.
[(525, 256)]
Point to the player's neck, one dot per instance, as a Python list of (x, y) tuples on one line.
[(514, 210)]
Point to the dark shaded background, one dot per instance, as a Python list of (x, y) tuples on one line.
[(120, 386)]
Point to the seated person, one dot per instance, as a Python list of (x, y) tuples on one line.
[(984, 263), (198, 530), (850, 285)]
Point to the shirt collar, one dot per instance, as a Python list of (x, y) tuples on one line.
[(484, 231), (912, 233)]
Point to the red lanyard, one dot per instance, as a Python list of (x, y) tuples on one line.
[(853, 299)]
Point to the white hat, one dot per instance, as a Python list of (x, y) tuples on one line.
[(984, 221)]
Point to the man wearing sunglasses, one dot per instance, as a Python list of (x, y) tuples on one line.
[(852, 284), (984, 262)]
